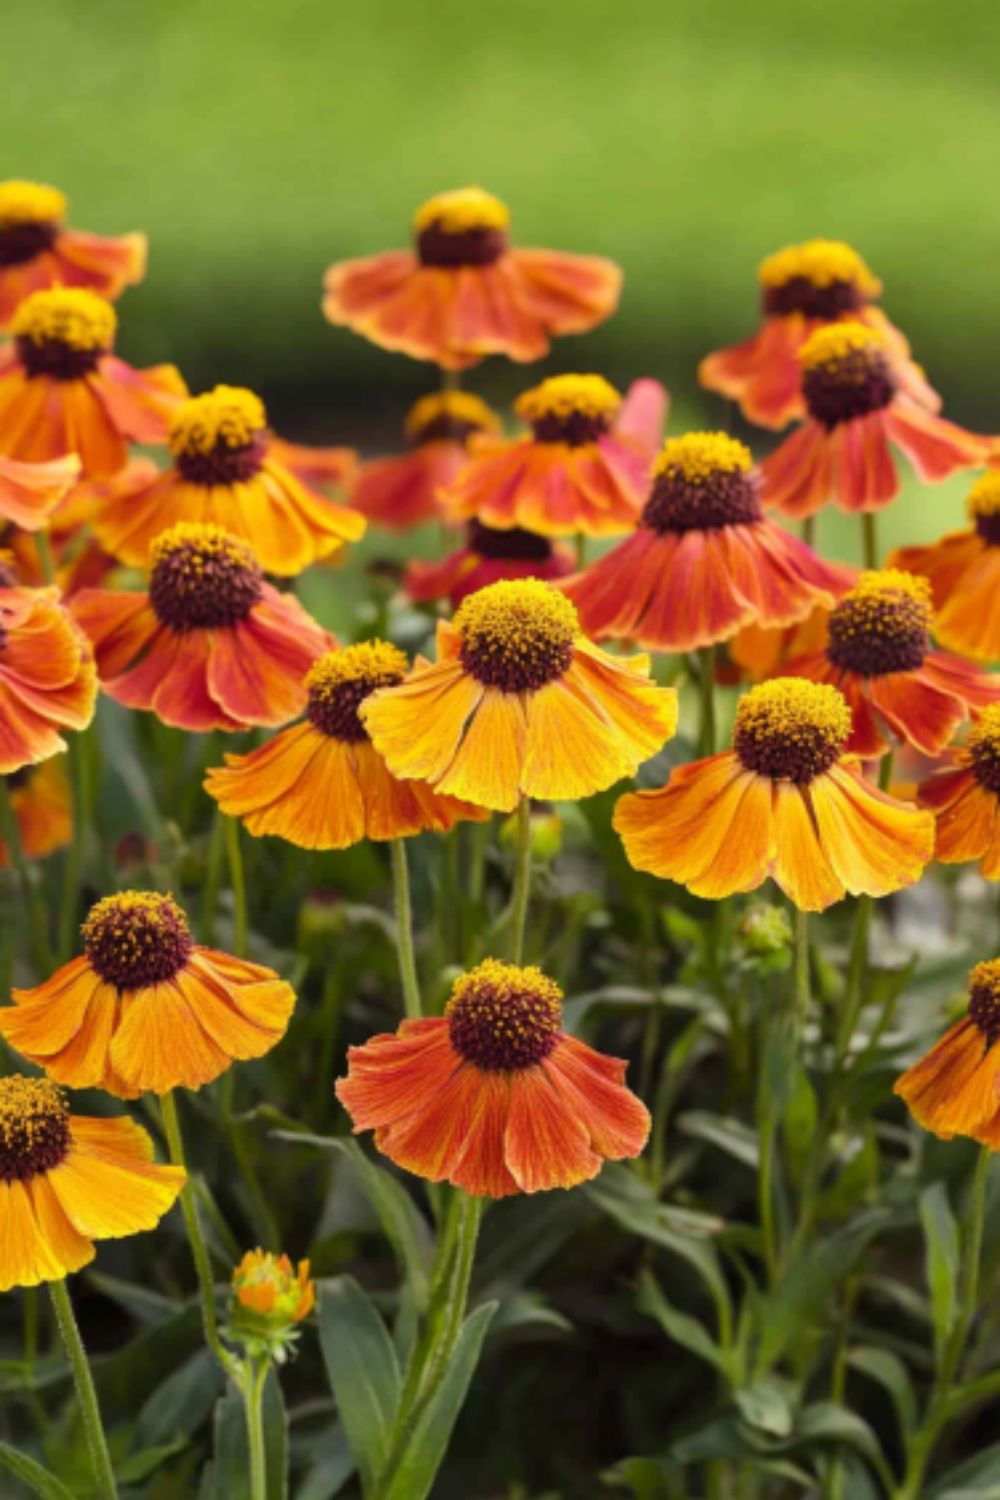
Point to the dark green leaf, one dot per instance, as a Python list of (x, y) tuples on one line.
[(332, 1469), (679, 1326), (766, 1406), (178, 1407), (729, 1135), (942, 1248), (139, 1466), (38, 1480), (363, 1370), (892, 1375), (275, 1424)]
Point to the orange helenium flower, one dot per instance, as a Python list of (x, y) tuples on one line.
[(37, 251), (48, 681), (68, 1180), (804, 287), (784, 802), (402, 491), (322, 784), (62, 390), (955, 1088), (584, 467), (705, 561), (29, 493), (267, 1285), (488, 556), (965, 799), (145, 1007), (211, 645), (964, 573), (877, 651), (856, 409), (228, 471), (43, 809), (756, 652), (494, 1096), (465, 291), (519, 704)]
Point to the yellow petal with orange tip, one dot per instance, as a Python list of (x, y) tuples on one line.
[(875, 844), (675, 831), (952, 1090), (418, 726), (487, 765), (27, 1255), (160, 1044), (744, 854), (108, 1199), (801, 867)]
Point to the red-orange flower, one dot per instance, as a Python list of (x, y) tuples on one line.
[(705, 561), (211, 645), (804, 287), (494, 1096), (465, 291), (965, 798), (38, 251), (584, 467), (877, 651), (963, 570), (29, 493), (955, 1088), (487, 557), (322, 784), (402, 491), (63, 390), (43, 809), (229, 471), (784, 802), (48, 682), (756, 652), (856, 409)]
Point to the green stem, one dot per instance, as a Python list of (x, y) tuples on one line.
[(706, 734), (199, 1250), (765, 1192), (522, 881), (44, 550), (581, 551), (38, 927), (213, 876), (238, 879), (86, 1395), (79, 784), (802, 988), (253, 1393), (404, 930), (808, 530), (869, 539)]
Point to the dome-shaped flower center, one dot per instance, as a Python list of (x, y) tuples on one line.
[(448, 416), (984, 1000), (219, 437), (63, 331), (501, 1017), (983, 506), (882, 625), (467, 227), (136, 939), (573, 409), (819, 279), (983, 746), (514, 544), (339, 682), (34, 1127), (791, 729), (30, 215), (202, 577), (702, 481), (845, 373), (517, 635)]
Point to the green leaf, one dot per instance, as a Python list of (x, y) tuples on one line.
[(729, 1135), (181, 1404), (677, 1325), (139, 1302), (227, 1476), (38, 1480), (976, 1478), (139, 1466), (892, 1375), (275, 1424), (363, 1370), (766, 1406), (422, 1456), (942, 1248), (331, 1471), (826, 1421), (644, 1478), (798, 1122)]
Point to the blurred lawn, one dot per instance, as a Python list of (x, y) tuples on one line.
[(256, 142)]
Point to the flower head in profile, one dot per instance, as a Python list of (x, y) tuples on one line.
[(38, 251), (965, 798), (67, 1180), (803, 288), (877, 650), (145, 1007), (582, 469), (955, 1088), (48, 682), (210, 645), (229, 471), (705, 561), (519, 703), (783, 802), (488, 556), (63, 390), (494, 1096), (322, 784), (43, 809), (464, 291), (857, 411), (403, 491), (270, 1297), (963, 569)]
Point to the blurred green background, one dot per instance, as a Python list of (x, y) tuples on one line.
[(258, 140)]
